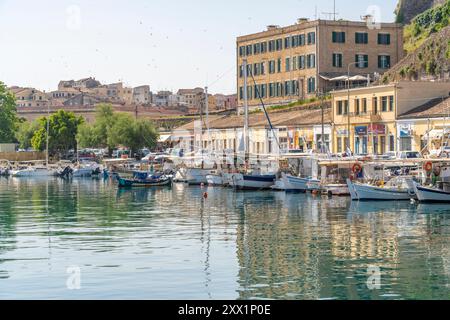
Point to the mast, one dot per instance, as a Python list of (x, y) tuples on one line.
[(48, 133), (208, 144), (246, 122)]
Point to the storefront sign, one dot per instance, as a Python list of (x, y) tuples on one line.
[(378, 129), (406, 130), (361, 131), (342, 132)]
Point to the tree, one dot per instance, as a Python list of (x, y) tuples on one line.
[(63, 129), (8, 115), (132, 134), (87, 137), (25, 133)]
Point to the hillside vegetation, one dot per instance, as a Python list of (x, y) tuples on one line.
[(427, 42)]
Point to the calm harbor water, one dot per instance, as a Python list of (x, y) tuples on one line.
[(173, 244)]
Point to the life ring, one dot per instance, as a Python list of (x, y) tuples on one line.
[(428, 166), (357, 168)]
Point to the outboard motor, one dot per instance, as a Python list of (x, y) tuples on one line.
[(66, 173)]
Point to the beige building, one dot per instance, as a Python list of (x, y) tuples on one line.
[(29, 97), (295, 62), (369, 126)]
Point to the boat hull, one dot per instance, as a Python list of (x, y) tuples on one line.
[(367, 192), (33, 173), (257, 182), (295, 184), (128, 183), (197, 176), (431, 195), (214, 180)]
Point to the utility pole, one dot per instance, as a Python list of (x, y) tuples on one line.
[(322, 139)]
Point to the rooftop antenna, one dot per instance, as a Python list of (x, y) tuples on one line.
[(333, 14)]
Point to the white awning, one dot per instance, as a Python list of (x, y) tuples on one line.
[(163, 138)]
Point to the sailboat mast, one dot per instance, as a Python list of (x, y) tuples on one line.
[(246, 122), (48, 133), (207, 119)]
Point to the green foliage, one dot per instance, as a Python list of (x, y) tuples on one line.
[(431, 21), (8, 116), (448, 50), (26, 132), (112, 129), (63, 129)]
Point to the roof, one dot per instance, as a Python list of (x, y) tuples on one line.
[(436, 108), (298, 117)]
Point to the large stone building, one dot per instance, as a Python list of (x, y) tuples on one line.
[(295, 62), (30, 97)]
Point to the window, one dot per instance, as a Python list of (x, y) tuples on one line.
[(294, 63), (241, 51), (357, 107), (384, 38), (279, 44), (311, 85), (271, 45), (301, 62), (264, 91), (339, 145), (362, 60), (375, 105), (338, 37), (241, 93), (288, 64), (337, 60), (263, 47), (279, 65), (287, 42), (271, 66), (391, 143), (312, 38), (345, 107), (384, 62), (364, 106), (248, 50), (288, 88), (391, 103), (301, 40), (361, 38), (256, 48), (311, 61), (271, 90), (384, 104), (339, 108)]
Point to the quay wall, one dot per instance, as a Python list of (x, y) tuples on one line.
[(22, 156)]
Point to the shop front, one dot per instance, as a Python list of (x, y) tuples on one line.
[(361, 140)]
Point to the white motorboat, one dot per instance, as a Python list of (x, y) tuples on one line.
[(33, 172), (253, 181), (392, 192), (293, 183), (197, 176), (279, 185), (227, 179), (85, 170), (214, 179), (336, 189)]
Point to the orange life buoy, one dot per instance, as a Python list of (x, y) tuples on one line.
[(357, 168), (428, 166)]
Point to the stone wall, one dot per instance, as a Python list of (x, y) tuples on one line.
[(408, 9), (22, 156)]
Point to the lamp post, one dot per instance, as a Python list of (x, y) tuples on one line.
[(348, 101)]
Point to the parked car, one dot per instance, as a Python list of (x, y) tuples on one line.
[(409, 155)]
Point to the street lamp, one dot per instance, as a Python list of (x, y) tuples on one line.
[(348, 101)]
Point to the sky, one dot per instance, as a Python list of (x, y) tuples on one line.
[(167, 44)]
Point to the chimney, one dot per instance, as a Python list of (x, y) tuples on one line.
[(302, 20)]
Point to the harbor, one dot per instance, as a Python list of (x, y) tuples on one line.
[(172, 243)]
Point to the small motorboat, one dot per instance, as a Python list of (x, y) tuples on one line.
[(253, 181), (293, 183), (144, 180), (431, 194), (34, 172)]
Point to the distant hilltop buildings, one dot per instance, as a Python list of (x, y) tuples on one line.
[(89, 92)]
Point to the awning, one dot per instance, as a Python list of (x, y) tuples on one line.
[(435, 134), (163, 138)]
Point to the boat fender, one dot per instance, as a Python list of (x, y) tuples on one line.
[(205, 195), (411, 192)]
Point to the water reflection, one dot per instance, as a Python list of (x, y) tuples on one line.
[(174, 243)]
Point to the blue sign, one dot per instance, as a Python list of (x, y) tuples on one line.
[(361, 131)]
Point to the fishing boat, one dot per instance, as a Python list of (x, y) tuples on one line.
[(253, 181), (86, 170), (431, 194), (293, 183), (143, 180), (394, 190), (279, 185)]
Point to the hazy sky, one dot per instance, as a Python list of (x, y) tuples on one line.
[(165, 43)]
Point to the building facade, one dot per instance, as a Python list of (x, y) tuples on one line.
[(295, 62), (369, 123)]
